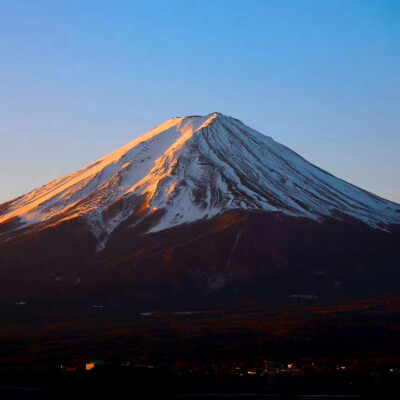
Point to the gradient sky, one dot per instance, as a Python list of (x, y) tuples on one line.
[(79, 79)]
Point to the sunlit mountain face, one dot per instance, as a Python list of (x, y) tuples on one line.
[(199, 207)]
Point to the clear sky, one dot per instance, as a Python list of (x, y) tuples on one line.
[(80, 78)]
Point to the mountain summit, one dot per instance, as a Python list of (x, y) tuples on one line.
[(188, 169)]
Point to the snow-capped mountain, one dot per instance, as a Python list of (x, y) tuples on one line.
[(198, 207), (192, 168)]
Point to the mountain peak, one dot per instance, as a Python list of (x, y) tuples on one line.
[(190, 168)]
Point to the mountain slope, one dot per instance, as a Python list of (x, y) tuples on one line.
[(191, 168)]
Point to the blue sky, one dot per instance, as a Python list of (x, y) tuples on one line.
[(79, 79)]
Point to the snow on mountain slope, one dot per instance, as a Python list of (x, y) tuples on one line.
[(192, 168)]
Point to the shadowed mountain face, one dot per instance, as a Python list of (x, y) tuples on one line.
[(199, 209), (235, 256)]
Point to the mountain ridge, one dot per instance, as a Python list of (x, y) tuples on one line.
[(190, 168)]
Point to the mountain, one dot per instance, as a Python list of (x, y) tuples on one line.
[(199, 205)]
